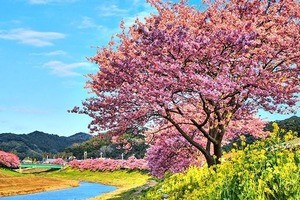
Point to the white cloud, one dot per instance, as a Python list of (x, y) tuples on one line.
[(63, 69), (31, 37), (111, 10), (87, 22), (129, 21), (104, 33), (147, 10), (49, 1), (52, 53)]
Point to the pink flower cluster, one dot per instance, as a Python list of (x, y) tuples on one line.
[(58, 161), (100, 164), (170, 152), (9, 160)]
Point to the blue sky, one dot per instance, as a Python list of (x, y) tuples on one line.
[(43, 49)]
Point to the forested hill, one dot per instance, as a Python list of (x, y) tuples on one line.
[(37, 143), (292, 123)]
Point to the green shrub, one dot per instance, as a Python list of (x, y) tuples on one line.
[(267, 169)]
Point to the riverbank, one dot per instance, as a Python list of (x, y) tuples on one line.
[(128, 182), (85, 190), (13, 183)]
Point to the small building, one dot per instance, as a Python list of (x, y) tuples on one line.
[(48, 161), (26, 160)]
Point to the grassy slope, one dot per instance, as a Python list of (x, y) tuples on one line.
[(13, 183), (8, 173), (128, 182)]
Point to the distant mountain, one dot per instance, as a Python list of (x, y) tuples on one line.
[(80, 137), (292, 123), (37, 144)]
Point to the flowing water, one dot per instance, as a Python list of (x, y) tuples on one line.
[(84, 191)]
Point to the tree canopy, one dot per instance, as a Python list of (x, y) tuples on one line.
[(203, 74)]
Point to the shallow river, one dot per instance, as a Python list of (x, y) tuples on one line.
[(84, 191)]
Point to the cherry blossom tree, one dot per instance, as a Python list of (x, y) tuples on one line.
[(9, 160), (58, 161), (196, 72)]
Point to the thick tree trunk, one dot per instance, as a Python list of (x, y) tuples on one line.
[(216, 157), (210, 160), (218, 153)]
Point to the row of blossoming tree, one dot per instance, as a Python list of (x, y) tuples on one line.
[(197, 78), (105, 164), (109, 164)]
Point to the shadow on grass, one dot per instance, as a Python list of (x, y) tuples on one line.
[(144, 172), (35, 170)]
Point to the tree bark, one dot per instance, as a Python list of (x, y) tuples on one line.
[(218, 152), (210, 160)]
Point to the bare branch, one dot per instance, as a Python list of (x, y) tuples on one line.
[(209, 137), (186, 136)]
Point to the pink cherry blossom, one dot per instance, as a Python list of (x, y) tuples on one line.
[(58, 161), (9, 160), (203, 74), (101, 164)]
